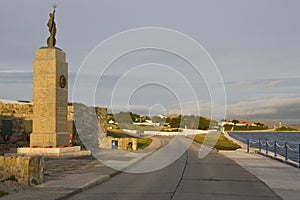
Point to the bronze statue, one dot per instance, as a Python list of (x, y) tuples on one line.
[(51, 41)]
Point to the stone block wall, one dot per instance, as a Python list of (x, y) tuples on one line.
[(27, 170), (21, 116), (24, 111), (123, 143), (91, 123), (104, 143), (102, 120)]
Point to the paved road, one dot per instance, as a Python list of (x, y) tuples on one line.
[(213, 177)]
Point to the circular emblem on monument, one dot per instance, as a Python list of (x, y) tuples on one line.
[(62, 81)]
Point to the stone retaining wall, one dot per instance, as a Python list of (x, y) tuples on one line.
[(27, 170), (24, 111), (122, 143), (21, 116)]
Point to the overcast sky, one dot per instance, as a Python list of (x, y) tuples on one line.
[(255, 45)]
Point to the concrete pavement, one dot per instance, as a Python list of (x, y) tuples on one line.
[(214, 178), (62, 181), (282, 178)]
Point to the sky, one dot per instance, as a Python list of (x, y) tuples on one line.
[(249, 52)]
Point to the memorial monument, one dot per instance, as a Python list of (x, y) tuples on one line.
[(50, 99), (50, 90)]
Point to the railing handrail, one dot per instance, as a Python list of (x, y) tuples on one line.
[(275, 144)]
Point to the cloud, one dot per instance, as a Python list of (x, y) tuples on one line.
[(238, 83), (286, 108), (273, 98), (272, 108), (264, 83), (8, 76), (271, 83)]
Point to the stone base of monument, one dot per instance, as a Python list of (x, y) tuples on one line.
[(49, 139), (54, 152)]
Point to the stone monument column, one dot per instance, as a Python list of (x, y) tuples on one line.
[(50, 94)]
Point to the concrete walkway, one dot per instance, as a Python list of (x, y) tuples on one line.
[(282, 178), (65, 184), (187, 178)]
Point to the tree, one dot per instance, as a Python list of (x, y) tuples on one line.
[(175, 122), (259, 124), (134, 116), (203, 123), (235, 121), (157, 119), (191, 122)]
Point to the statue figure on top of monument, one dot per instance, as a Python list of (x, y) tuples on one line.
[(51, 41)]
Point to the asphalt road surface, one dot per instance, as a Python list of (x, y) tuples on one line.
[(188, 178)]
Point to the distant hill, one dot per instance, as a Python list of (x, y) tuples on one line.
[(295, 126), (267, 122), (173, 115), (270, 123)]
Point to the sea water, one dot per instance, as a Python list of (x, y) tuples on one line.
[(292, 139)]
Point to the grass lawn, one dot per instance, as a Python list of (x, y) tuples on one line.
[(283, 128), (143, 142), (2, 193), (222, 142)]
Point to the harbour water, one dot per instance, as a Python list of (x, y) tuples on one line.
[(292, 139)]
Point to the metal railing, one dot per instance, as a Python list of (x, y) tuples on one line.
[(274, 146)]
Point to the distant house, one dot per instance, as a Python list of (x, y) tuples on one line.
[(222, 123), (245, 124), (241, 124), (162, 116), (147, 123), (111, 121)]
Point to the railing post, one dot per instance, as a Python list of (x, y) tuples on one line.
[(248, 145), (259, 145), (299, 156), (286, 151), (267, 147), (275, 148)]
